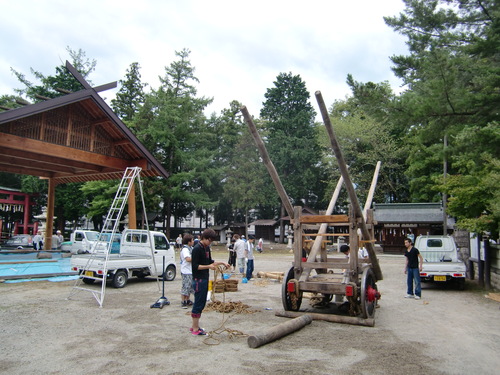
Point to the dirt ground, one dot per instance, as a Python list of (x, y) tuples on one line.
[(41, 332)]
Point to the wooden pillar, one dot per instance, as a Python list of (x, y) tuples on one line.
[(50, 214), (132, 210)]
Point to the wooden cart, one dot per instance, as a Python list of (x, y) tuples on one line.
[(331, 277), (334, 274)]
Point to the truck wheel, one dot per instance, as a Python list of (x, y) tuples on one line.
[(120, 279), (169, 273), (88, 281), (461, 284)]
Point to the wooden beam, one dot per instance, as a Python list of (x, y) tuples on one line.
[(370, 322), (357, 212), (30, 163), (27, 155), (313, 219), (107, 86), (20, 143)]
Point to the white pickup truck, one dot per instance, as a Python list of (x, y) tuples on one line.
[(441, 261), (133, 259), (81, 241)]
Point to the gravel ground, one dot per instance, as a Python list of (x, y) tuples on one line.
[(42, 332)]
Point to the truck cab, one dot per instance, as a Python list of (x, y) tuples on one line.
[(82, 241)]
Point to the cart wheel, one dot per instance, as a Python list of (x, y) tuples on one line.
[(291, 301), (369, 293)]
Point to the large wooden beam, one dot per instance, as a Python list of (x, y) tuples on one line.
[(329, 318), (358, 213)]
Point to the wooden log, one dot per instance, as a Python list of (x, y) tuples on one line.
[(279, 331), (370, 322), (349, 185), (271, 275)]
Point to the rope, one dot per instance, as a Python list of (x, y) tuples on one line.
[(225, 308)]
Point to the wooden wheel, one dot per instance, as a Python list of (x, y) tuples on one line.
[(369, 293), (291, 300)]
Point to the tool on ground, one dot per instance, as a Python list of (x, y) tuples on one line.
[(162, 301)]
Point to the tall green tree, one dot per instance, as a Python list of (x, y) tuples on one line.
[(172, 125), (292, 138), (452, 75), (47, 85), (131, 95)]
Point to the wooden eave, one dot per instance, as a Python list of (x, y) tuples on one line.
[(71, 138)]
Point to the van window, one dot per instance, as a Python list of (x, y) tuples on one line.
[(434, 243), (78, 236), (137, 238), (161, 243)]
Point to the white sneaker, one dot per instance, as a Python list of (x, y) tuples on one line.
[(409, 296), (417, 297)]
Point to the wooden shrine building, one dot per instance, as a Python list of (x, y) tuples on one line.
[(72, 138)]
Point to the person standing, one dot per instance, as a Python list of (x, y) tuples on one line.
[(202, 262), (232, 255), (60, 239), (260, 245), (239, 248), (413, 266), (178, 241), (186, 270), (249, 255), (38, 241)]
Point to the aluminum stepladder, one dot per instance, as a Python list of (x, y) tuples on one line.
[(101, 248)]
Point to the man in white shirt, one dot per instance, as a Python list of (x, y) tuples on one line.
[(239, 248)]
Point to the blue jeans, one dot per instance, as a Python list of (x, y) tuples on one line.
[(200, 287), (249, 268), (413, 275)]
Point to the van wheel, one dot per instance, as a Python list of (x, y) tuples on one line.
[(169, 273), (120, 279), (88, 281)]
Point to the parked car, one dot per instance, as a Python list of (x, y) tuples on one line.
[(19, 240)]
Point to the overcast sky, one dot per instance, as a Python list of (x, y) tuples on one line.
[(238, 48)]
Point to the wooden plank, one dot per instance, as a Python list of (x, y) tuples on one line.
[(327, 219), (326, 265)]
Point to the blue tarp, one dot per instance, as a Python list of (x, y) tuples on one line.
[(9, 267)]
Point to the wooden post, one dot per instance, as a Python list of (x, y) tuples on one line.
[(349, 185), (50, 215), (267, 162), (369, 322), (132, 210), (279, 331)]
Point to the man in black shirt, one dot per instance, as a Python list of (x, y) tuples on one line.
[(202, 262), (412, 269)]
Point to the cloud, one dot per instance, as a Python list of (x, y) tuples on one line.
[(238, 48)]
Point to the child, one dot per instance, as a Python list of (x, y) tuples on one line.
[(186, 271)]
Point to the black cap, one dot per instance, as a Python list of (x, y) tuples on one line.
[(251, 237)]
